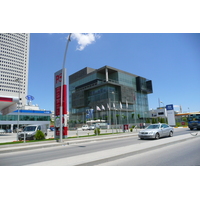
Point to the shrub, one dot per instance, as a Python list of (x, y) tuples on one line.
[(97, 131), (39, 135)]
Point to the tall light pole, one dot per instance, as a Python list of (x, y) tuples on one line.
[(164, 110), (163, 104), (61, 95), (18, 80)]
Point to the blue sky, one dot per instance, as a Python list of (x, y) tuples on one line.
[(170, 60)]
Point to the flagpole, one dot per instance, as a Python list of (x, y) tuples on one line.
[(109, 116), (127, 111), (120, 113)]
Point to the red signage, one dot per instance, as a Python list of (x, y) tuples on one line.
[(6, 99), (57, 83)]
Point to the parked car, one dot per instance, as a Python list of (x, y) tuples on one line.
[(156, 131), (2, 131), (92, 127), (8, 131), (85, 127)]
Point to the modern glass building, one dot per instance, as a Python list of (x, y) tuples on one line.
[(14, 58), (26, 117), (108, 94)]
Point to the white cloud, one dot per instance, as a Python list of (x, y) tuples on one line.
[(84, 39)]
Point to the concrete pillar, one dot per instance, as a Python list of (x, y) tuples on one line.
[(11, 127), (106, 74)]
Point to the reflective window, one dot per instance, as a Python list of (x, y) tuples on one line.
[(24, 118)]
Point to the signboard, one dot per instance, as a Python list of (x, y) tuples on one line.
[(57, 100), (89, 113), (170, 115)]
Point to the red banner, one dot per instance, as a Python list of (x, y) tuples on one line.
[(58, 80)]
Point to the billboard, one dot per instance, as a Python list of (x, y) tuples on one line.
[(170, 115), (57, 100)]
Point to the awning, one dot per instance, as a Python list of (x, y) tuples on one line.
[(8, 104)]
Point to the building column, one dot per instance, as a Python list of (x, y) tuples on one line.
[(11, 127), (106, 74)]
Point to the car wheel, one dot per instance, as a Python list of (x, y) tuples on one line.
[(157, 136), (170, 134)]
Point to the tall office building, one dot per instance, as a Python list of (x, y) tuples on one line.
[(14, 59), (107, 92)]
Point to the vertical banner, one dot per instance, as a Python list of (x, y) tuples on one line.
[(89, 114), (170, 115), (57, 100)]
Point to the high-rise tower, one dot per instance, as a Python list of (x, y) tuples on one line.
[(14, 59)]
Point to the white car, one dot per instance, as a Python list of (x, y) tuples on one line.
[(2, 131), (156, 131), (85, 127)]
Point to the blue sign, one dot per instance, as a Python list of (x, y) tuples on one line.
[(170, 107), (29, 98), (34, 111), (89, 113)]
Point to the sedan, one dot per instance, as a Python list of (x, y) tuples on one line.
[(2, 131), (156, 131)]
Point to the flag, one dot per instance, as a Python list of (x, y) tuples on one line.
[(98, 108), (120, 105), (103, 108), (126, 104), (108, 106)]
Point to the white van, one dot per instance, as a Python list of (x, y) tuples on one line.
[(85, 127), (31, 130)]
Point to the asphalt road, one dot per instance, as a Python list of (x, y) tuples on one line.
[(181, 154), (58, 155)]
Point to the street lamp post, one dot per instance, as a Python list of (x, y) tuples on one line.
[(18, 80), (61, 95), (163, 104), (164, 110)]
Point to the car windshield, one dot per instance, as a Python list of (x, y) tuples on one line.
[(30, 128), (153, 126)]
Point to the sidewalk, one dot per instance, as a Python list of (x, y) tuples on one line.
[(51, 143)]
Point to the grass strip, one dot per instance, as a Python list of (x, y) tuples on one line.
[(31, 141)]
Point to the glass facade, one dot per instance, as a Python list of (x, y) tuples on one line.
[(26, 117), (121, 96)]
